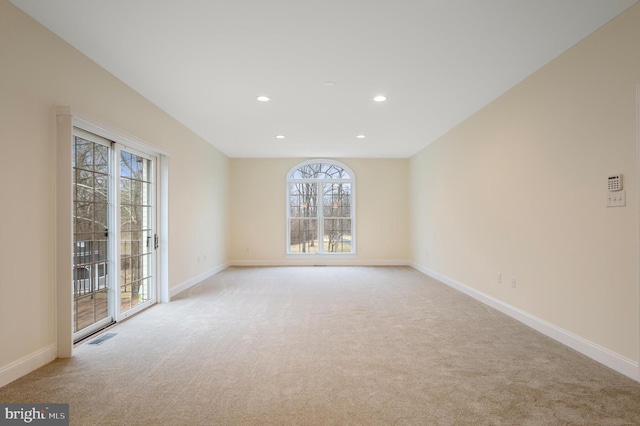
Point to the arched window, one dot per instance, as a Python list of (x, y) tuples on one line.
[(320, 208)]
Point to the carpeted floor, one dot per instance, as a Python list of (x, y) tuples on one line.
[(328, 346)]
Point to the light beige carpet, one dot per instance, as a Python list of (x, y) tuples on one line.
[(329, 346)]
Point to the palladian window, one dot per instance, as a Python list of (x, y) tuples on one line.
[(321, 208)]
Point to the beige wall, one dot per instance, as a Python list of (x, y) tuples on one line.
[(38, 72), (258, 222), (520, 187)]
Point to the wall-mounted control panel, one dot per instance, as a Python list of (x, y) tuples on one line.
[(616, 195), (614, 183)]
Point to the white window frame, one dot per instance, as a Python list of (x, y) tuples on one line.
[(320, 217)]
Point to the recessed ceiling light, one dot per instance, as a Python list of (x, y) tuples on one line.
[(380, 98), (329, 83), (361, 136), (263, 98), (280, 136)]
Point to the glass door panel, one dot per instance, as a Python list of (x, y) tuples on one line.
[(136, 231), (90, 278)]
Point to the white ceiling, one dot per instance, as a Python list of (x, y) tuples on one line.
[(438, 61)]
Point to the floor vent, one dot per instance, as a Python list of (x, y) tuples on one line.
[(102, 339)]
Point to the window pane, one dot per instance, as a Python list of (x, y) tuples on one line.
[(101, 217), (83, 217), (125, 217), (134, 166), (320, 171), (125, 244), (125, 270), (134, 244), (136, 192), (146, 170), (83, 158), (303, 200), (82, 249), (125, 191), (101, 189), (303, 235), (145, 266), (138, 222), (126, 166), (101, 158), (337, 200), (337, 236), (83, 309), (83, 185), (147, 189), (101, 248)]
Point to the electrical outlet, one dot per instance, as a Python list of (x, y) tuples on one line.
[(499, 278), (513, 282)]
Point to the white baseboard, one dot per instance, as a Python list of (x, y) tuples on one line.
[(195, 280), (27, 364), (321, 261), (594, 351)]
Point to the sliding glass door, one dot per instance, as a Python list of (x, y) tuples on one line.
[(115, 243)]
